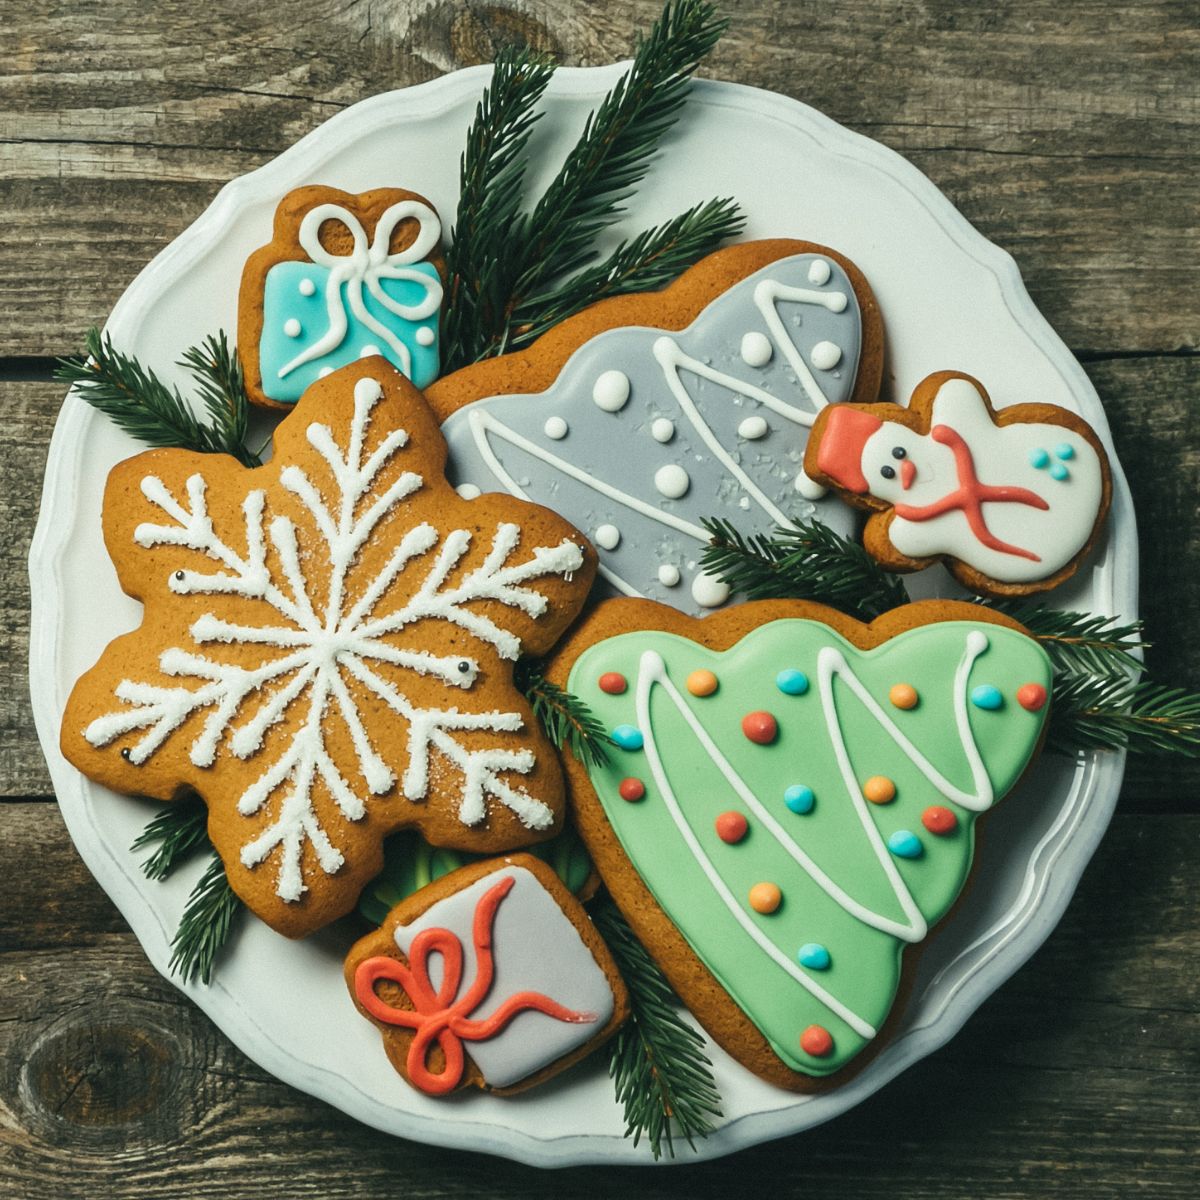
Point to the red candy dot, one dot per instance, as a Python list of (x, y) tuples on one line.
[(613, 682), (817, 1041), (1031, 697), (760, 727), (939, 820), (631, 789), (731, 827)]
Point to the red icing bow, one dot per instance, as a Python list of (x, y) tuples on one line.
[(436, 1015)]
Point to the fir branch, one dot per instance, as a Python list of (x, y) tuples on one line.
[(179, 830), (810, 562), (218, 374), (207, 921), (1117, 712), (663, 1079), (141, 404), (1079, 642), (643, 263), (565, 719)]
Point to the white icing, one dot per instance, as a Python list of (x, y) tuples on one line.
[(425, 336), (826, 355), (663, 430), (668, 575), (819, 272), (708, 591), (753, 428), (327, 634), (672, 481), (809, 488), (291, 327), (324, 372), (611, 391), (535, 948), (368, 350), (607, 537), (756, 349), (468, 491), (307, 287), (366, 266), (555, 428)]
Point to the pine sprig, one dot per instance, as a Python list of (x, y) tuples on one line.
[(208, 920), (178, 831), (134, 397), (565, 719), (219, 380), (663, 1079), (1079, 642), (810, 562), (1121, 713)]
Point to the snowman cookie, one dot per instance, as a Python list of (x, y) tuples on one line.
[(1011, 500)]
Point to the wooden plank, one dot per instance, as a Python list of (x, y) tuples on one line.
[(1078, 1079), (1067, 145)]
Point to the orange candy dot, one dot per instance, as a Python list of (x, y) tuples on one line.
[(765, 897), (702, 683), (903, 695), (879, 789), (817, 1041)]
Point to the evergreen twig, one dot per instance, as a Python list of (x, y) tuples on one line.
[(178, 830), (565, 719), (663, 1079), (1079, 642), (217, 371), (1117, 712), (207, 921)]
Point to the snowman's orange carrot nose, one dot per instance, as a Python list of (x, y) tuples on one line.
[(908, 472)]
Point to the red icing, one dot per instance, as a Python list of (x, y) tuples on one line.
[(817, 1041), (437, 1016), (613, 682), (760, 727), (908, 472), (631, 789), (939, 820), (840, 453), (971, 495), (731, 827), (1031, 697)]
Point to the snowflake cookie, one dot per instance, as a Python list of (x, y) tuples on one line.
[(327, 647)]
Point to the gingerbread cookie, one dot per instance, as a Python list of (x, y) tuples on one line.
[(344, 277), (523, 985), (1011, 500), (792, 800), (645, 414), (327, 646)]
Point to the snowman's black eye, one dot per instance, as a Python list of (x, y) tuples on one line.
[(888, 472), (899, 452), (464, 666)]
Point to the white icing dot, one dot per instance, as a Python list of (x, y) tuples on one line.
[(753, 428), (611, 391), (662, 430), (468, 491), (836, 301), (425, 336), (608, 537), (744, 502), (708, 591), (324, 371), (672, 481), (826, 355), (668, 575), (819, 272), (307, 287), (810, 489), (756, 349), (369, 350), (556, 428), (291, 327)]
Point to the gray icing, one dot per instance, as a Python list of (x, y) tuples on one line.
[(609, 468)]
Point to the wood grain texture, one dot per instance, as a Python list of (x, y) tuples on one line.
[(1067, 133)]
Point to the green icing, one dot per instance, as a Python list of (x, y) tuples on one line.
[(865, 968)]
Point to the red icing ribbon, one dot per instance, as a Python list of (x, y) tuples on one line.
[(971, 495), (435, 1015)]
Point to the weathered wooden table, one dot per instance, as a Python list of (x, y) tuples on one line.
[(1069, 133)]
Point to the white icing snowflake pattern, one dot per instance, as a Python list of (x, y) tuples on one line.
[(317, 654)]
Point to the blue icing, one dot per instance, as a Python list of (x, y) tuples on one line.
[(628, 737), (283, 301), (1058, 471), (792, 682), (905, 844), (814, 956), (987, 697), (1065, 451), (799, 798), (1039, 458)]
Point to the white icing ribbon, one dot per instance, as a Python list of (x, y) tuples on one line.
[(365, 266)]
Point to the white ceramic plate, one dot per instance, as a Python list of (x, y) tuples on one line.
[(950, 299)]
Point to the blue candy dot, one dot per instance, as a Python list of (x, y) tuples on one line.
[(1065, 451), (814, 956), (1058, 471), (904, 844), (1039, 458), (792, 682), (988, 697), (628, 737), (799, 799)]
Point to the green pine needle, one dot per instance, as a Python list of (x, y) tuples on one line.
[(663, 1079), (810, 562), (141, 404), (565, 719), (207, 921), (179, 830), (1116, 712), (1079, 642)]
